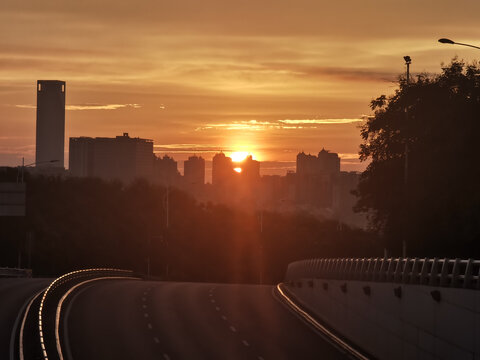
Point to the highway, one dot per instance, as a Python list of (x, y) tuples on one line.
[(14, 293), (129, 319)]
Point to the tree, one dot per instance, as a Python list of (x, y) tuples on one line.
[(435, 206)]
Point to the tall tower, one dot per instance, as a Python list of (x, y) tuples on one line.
[(50, 123)]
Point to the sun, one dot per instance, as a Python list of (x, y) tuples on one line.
[(238, 156)]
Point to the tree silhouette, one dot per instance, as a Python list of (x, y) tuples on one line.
[(436, 206)]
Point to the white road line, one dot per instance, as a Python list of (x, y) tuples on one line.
[(245, 342), (233, 329), (145, 293), (260, 358), (217, 308), (149, 326), (166, 357), (335, 340), (212, 301), (145, 315), (210, 295), (22, 327), (144, 306), (144, 299), (156, 340), (59, 310), (224, 317)]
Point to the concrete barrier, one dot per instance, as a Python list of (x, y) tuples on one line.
[(395, 320)]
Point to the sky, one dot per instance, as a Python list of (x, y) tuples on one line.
[(272, 78)]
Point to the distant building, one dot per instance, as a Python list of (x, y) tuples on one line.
[(222, 170), (325, 163), (348, 182), (317, 179), (50, 131), (121, 158), (250, 173), (194, 171), (165, 171)]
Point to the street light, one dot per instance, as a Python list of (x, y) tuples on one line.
[(33, 164), (408, 61), (451, 42)]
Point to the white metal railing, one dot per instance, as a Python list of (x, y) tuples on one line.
[(446, 272)]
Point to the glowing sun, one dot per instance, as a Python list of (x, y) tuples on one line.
[(238, 156)]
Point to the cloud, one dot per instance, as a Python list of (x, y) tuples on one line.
[(87, 106), (320, 121), (285, 124), (188, 148)]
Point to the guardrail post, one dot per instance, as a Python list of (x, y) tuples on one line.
[(415, 273), (424, 272), (434, 272), (398, 270), (467, 277), (455, 272), (444, 273)]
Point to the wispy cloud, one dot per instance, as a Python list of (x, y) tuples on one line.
[(285, 124), (319, 121), (188, 148), (75, 107)]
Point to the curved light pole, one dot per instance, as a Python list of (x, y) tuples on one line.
[(33, 164), (448, 41)]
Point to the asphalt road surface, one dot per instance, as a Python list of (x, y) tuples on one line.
[(14, 293), (128, 319)]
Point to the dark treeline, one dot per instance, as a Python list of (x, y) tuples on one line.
[(431, 201), (77, 223)]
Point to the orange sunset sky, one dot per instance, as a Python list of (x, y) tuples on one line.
[(268, 77)]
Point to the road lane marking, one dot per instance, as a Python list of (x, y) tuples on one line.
[(210, 294), (260, 358), (149, 326), (144, 306), (145, 293), (217, 308), (224, 317), (233, 328), (144, 299), (145, 315), (156, 340), (59, 310), (212, 301), (245, 342), (166, 357), (319, 327)]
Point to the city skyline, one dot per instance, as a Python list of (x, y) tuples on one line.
[(200, 79)]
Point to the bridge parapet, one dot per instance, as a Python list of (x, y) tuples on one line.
[(455, 273)]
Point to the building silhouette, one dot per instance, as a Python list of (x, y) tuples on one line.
[(250, 173), (121, 158), (165, 171), (222, 170), (194, 171), (50, 128), (317, 179)]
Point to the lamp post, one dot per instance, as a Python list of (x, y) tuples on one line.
[(33, 164), (408, 61), (451, 42), (29, 235)]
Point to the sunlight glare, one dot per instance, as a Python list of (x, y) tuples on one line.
[(238, 169), (238, 155)]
